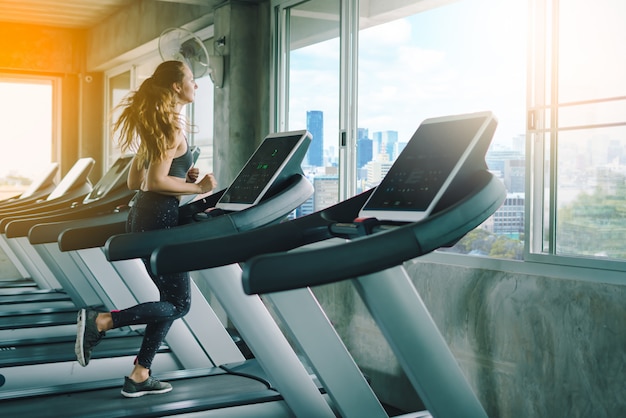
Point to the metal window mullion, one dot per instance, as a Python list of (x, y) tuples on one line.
[(348, 97), (554, 124), (279, 75), (536, 125)]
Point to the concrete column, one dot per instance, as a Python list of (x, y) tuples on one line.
[(241, 104)]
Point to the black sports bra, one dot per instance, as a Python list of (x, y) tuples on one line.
[(180, 165)]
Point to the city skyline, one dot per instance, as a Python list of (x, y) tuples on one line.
[(407, 75)]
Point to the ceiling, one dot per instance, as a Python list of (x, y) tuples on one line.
[(75, 14)]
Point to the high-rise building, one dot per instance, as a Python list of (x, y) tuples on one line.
[(376, 170), (326, 191), (509, 218), (364, 152), (509, 166), (306, 208), (385, 143), (315, 125)]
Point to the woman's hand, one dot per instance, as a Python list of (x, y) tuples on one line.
[(207, 183), (192, 174)]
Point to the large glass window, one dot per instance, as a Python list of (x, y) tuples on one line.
[(414, 62), (311, 38), (579, 130), (26, 117), (550, 70), (201, 116), (463, 57), (118, 87)]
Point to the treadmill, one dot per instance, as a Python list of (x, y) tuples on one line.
[(108, 193), (40, 328), (74, 185), (39, 189), (438, 189), (101, 287), (268, 188), (109, 196), (37, 331)]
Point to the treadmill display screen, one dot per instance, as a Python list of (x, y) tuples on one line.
[(115, 177), (45, 181), (260, 171), (76, 177), (424, 169)]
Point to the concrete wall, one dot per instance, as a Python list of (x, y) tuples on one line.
[(241, 112), (140, 23), (530, 346)]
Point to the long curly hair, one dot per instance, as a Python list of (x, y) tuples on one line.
[(149, 121)]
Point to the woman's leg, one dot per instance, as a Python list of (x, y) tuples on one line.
[(151, 211), (175, 301), (154, 212)]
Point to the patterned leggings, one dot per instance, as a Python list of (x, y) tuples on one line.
[(155, 211)]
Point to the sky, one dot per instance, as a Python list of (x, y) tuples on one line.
[(465, 57)]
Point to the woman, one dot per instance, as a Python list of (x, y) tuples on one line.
[(161, 171)]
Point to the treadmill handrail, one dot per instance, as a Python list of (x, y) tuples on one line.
[(52, 231), (212, 251), (61, 203), (78, 235), (75, 178), (74, 196), (21, 226), (111, 186), (136, 245), (377, 252)]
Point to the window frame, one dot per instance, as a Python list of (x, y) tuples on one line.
[(56, 84), (542, 77), (543, 128)]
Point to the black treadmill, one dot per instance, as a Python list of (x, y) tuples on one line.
[(442, 168), (74, 185), (33, 324), (39, 189), (109, 193), (246, 389)]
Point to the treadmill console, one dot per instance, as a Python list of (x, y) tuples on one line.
[(76, 177), (114, 178), (278, 156), (438, 151), (45, 181)]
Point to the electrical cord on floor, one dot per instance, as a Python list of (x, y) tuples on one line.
[(257, 378)]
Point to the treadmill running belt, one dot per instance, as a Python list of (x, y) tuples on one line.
[(189, 395)]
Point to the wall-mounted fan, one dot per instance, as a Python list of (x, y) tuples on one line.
[(181, 44)]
